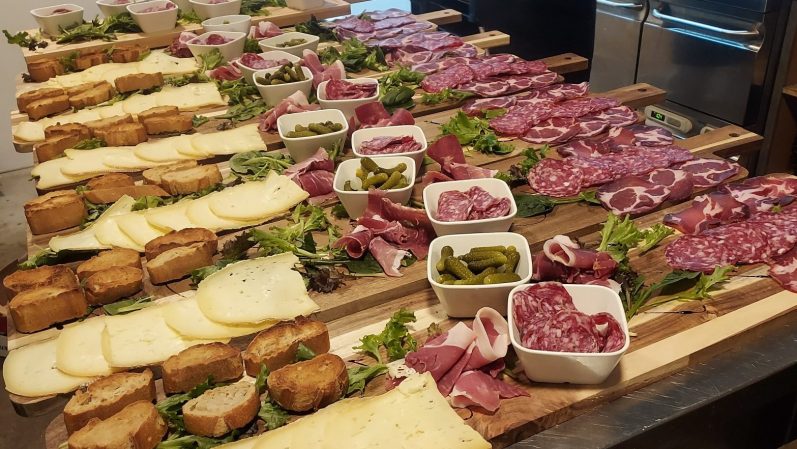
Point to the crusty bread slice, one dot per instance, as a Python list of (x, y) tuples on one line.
[(276, 346), (155, 174), (192, 366), (88, 60), (110, 180), (68, 129), (112, 194), (117, 257), (54, 147), (112, 284), (179, 262), (54, 211), (46, 276), (100, 126), (157, 111), (138, 81), (26, 98), (137, 426), (183, 237), (125, 134), (80, 88), (191, 180), (92, 97), (108, 396), (47, 106), (220, 410), (309, 385), (44, 69), (128, 53), (178, 123), (40, 308)]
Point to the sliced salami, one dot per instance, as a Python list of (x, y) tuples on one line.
[(631, 195), (528, 67), (709, 172), (673, 154), (565, 331), (595, 174), (612, 333), (552, 131), (679, 182), (743, 242), (573, 108), (587, 148), (696, 253), (451, 77), (476, 106), (513, 123), (783, 269), (453, 205), (486, 205), (780, 237), (591, 127), (556, 178), (650, 135)]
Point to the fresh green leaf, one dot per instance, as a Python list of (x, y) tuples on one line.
[(397, 97), (708, 282), (370, 344), (210, 60), (367, 265), (199, 120), (359, 376), (127, 306), (246, 110), (179, 441), (254, 165), (355, 56), (493, 113), (618, 236), (304, 353), (200, 274), (403, 77), (252, 46), (93, 212), (532, 205), (408, 260), (147, 202), (238, 91), (532, 157), (314, 27), (323, 279), (261, 379), (43, 257), (257, 7), (488, 143), (105, 29), (171, 408), (466, 129), (68, 61), (25, 40), (445, 95), (652, 236), (395, 337), (338, 211), (187, 17), (590, 197), (90, 144), (273, 415), (434, 330)]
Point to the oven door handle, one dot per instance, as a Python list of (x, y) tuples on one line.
[(659, 15), (629, 5)]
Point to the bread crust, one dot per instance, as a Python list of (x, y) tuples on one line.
[(68, 129), (88, 60), (309, 385), (26, 98), (99, 127), (222, 409), (155, 174), (125, 134), (192, 366), (191, 180), (158, 111), (113, 284), (138, 81), (42, 70), (110, 180), (40, 308), (112, 194), (178, 123), (48, 106), (183, 237), (137, 426), (46, 276), (276, 346), (54, 211), (94, 96), (128, 53), (54, 147), (117, 257), (179, 262)]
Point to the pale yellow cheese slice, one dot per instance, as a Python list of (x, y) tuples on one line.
[(49, 174), (128, 160), (135, 226), (158, 61), (109, 234), (237, 140), (185, 317), (191, 96), (79, 349), (87, 239), (113, 110), (139, 103), (255, 290), (28, 132), (164, 150), (31, 371), (258, 199), (91, 162), (172, 217), (199, 213)]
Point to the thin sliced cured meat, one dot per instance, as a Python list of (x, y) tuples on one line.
[(390, 13), (587, 148), (573, 108), (781, 237), (631, 195), (616, 116), (453, 205), (389, 145), (485, 205), (347, 90), (643, 135), (514, 123), (613, 332), (440, 354), (552, 131), (783, 269), (477, 106), (696, 253), (707, 211), (709, 172), (595, 173), (449, 78), (388, 256), (679, 182), (565, 331), (556, 178), (356, 242), (744, 243), (489, 88), (764, 192), (671, 153), (528, 67), (557, 92), (591, 126), (393, 22)]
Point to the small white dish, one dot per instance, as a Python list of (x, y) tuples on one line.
[(573, 367), (347, 106), (493, 186), (272, 43), (229, 50), (302, 5), (184, 5), (365, 134), (463, 301), (302, 148), (115, 7), (356, 202), (206, 9), (249, 73), (155, 21), (273, 94), (236, 22), (53, 23)]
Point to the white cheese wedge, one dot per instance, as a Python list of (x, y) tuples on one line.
[(135, 226), (185, 317), (86, 239), (255, 290), (237, 140), (139, 103), (199, 213), (164, 150), (128, 160), (158, 61), (31, 371), (91, 162), (49, 174), (28, 132), (110, 234), (258, 199), (191, 96), (113, 110), (172, 217), (79, 349)]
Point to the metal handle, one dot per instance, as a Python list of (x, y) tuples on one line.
[(620, 4), (659, 15)]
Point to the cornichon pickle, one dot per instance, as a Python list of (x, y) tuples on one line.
[(292, 43), (397, 169), (457, 268), (392, 181), (500, 278), (479, 265), (319, 128), (473, 256), (374, 180), (294, 134), (445, 252), (512, 259), (488, 248), (368, 164), (445, 277), (478, 279)]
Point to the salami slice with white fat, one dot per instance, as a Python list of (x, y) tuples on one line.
[(453, 205), (744, 243), (556, 178), (565, 331), (552, 131), (595, 173), (476, 106), (783, 269), (709, 172), (631, 195), (696, 253), (449, 78), (614, 337)]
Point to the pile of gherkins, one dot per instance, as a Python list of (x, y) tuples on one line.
[(314, 129), (482, 265), (289, 73), (371, 176)]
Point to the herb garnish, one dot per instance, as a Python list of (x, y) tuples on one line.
[(445, 95), (395, 338), (476, 132)]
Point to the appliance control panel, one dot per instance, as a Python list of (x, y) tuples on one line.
[(668, 118)]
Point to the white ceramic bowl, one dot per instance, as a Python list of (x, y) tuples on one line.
[(495, 187), (184, 5), (236, 22), (52, 23), (304, 4), (365, 134), (463, 301), (229, 51), (302, 148), (356, 202), (153, 22), (249, 74), (273, 94), (347, 106), (573, 367), (110, 8), (207, 10), (270, 44)]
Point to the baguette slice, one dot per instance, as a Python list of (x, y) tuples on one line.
[(99, 127), (88, 60), (54, 147), (110, 180), (38, 309), (179, 262), (309, 385), (68, 129), (107, 396), (178, 123), (46, 276), (85, 87), (92, 97), (42, 70), (192, 366), (183, 237), (55, 211), (117, 257), (47, 106), (125, 134), (191, 180), (220, 410), (154, 175), (113, 284), (158, 111), (26, 98), (128, 53), (276, 347), (111, 195), (138, 81), (137, 426)]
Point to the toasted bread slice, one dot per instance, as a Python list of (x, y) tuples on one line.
[(80, 88), (221, 410), (113, 284), (309, 385), (276, 346), (108, 396), (110, 181), (26, 98), (68, 129), (128, 53), (154, 175), (88, 60), (117, 257), (47, 106), (42, 70), (158, 111), (126, 134), (54, 147), (137, 426), (60, 276), (111, 195), (192, 366), (179, 262), (178, 123), (92, 97), (191, 180), (138, 81), (183, 237), (55, 211), (98, 127), (37, 309)]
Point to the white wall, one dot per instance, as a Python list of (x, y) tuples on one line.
[(15, 16)]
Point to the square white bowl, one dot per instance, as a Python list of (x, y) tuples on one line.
[(109, 8), (573, 367), (364, 134), (229, 51), (206, 10), (270, 44), (493, 186), (235, 22), (184, 5), (249, 73), (273, 94), (156, 21), (52, 23), (463, 301), (347, 106), (302, 5), (302, 148), (356, 202)]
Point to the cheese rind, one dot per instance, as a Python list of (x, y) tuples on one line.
[(185, 317), (79, 349), (31, 371)]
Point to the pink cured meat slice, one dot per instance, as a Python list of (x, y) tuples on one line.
[(613, 333), (448, 78), (486, 70), (558, 92), (476, 106), (485, 205), (632, 162), (392, 22), (679, 182), (354, 23), (485, 88), (780, 237), (783, 269), (388, 257), (587, 148), (573, 108), (565, 331), (432, 41), (556, 178), (595, 174), (696, 253), (543, 80), (453, 205), (673, 154), (651, 135), (591, 126), (513, 123), (743, 242), (528, 67), (709, 172), (541, 298), (434, 66), (553, 130), (391, 13), (764, 192), (707, 211), (632, 195), (389, 145), (617, 116)]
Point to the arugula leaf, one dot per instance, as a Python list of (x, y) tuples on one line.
[(395, 337), (652, 236), (171, 408), (25, 40), (338, 211), (200, 274), (359, 376), (618, 236), (68, 61), (238, 91), (446, 95), (210, 60), (403, 77), (273, 415), (43, 257), (465, 128), (147, 202), (397, 97), (304, 353), (532, 157), (708, 282), (355, 56), (488, 143), (246, 110), (261, 379), (367, 265), (128, 305), (89, 144), (314, 27), (433, 331), (254, 165), (174, 441), (105, 29), (199, 120), (93, 211), (252, 46)]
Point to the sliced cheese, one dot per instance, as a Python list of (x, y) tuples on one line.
[(237, 140), (79, 349), (172, 217), (110, 234), (86, 239), (128, 160), (246, 443), (185, 317), (113, 110), (258, 199), (164, 150), (158, 61), (28, 132), (139, 103), (31, 371), (135, 226), (91, 162), (49, 174), (191, 96), (199, 213), (255, 290)]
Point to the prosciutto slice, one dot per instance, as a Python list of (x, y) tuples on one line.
[(263, 30), (296, 102), (447, 152), (355, 242), (564, 260), (707, 211), (371, 115), (388, 256), (783, 269)]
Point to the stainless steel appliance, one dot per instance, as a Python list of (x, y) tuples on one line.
[(618, 29)]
